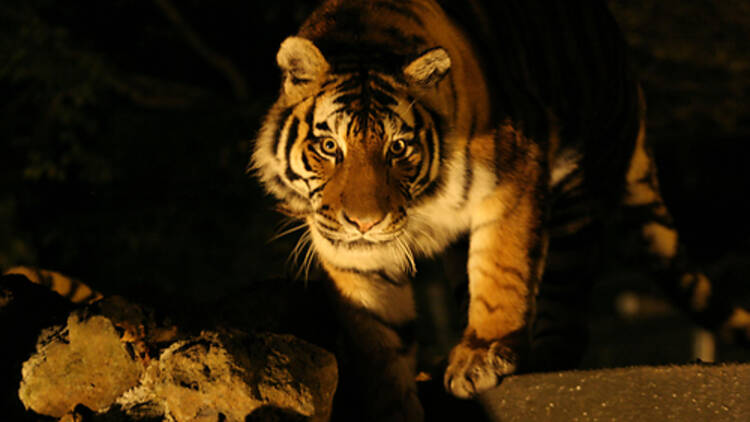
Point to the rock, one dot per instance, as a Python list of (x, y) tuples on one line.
[(297, 375), (112, 361), (679, 393), (83, 362), (229, 375)]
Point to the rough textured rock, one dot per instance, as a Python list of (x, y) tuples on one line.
[(668, 393), (113, 361), (227, 376), (83, 362)]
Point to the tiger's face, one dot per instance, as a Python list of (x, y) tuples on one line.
[(350, 152), (361, 151)]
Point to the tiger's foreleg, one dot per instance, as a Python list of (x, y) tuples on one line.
[(377, 313), (505, 259)]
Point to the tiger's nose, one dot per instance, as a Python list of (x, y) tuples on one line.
[(363, 224)]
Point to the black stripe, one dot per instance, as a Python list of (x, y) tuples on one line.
[(352, 122), (403, 39), (327, 227), (390, 280), (334, 242), (383, 98), (350, 82), (291, 175), (432, 188), (45, 280), (568, 182), (347, 98), (454, 93), (321, 212), (468, 164), (420, 138), (401, 10), (74, 287), (310, 115), (323, 126), (277, 182), (382, 84), (428, 140), (291, 139), (306, 163), (283, 116), (328, 82), (318, 189), (300, 81)]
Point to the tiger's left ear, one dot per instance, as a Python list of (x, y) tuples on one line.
[(302, 64), (429, 68)]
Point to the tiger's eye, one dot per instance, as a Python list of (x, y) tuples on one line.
[(397, 148), (329, 146)]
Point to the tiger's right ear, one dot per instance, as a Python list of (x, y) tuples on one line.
[(302, 63), (429, 68)]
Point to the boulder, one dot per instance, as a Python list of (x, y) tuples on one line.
[(83, 362), (218, 376), (114, 361)]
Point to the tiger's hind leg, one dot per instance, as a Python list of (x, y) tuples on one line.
[(708, 302)]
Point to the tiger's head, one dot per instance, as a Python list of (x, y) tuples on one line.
[(350, 148)]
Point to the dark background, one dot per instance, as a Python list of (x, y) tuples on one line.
[(126, 128)]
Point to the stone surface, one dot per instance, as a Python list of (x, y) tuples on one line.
[(114, 361), (665, 393), (227, 376), (83, 362)]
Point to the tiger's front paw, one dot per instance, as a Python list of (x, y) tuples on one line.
[(476, 366)]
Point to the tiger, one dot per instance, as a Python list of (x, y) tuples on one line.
[(403, 125), (74, 290)]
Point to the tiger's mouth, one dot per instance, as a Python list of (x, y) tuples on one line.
[(387, 247), (354, 240), (356, 244)]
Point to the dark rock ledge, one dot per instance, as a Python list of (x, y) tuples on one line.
[(687, 393)]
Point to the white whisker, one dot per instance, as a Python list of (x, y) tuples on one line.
[(283, 230), (411, 266), (411, 104), (309, 258), (304, 241)]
